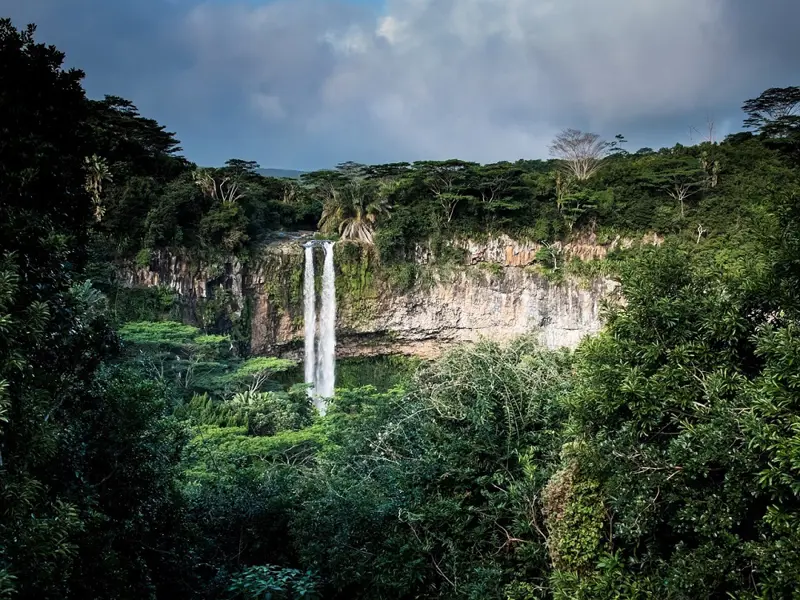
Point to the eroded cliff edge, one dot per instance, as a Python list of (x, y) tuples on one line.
[(494, 292)]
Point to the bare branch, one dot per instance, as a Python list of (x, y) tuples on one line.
[(701, 231), (708, 136), (224, 189), (491, 189), (680, 191), (581, 154)]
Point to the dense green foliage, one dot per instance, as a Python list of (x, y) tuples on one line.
[(705, 192), (674, 190), (659, 460), (87, 453)]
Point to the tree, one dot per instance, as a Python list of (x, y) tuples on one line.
[(680, 177), (143, 158), (87, 456), (289, 191), (774, 112), (581, 154), (563, 184), (132, 144), (352, 170), (218, 187), (615, 148), (323, 183), (97, 173), (445, 180), (493, 181), (708, 137), (712, 168), (436, 493), (575, 205), (684, 422), (387, 171), (680, 188), (354, 209), (242, 168), (549, 254)]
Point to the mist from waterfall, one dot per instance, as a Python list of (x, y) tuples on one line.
[(326, 351), (320, 353), (310, 320)]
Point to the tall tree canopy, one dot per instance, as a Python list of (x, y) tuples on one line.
[(77, 512)]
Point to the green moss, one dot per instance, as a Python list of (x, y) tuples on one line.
[(491, 267), (553, 276), (242, 327), (213, 269), (356, 286), (296, 273), (575, 518), (283, 283), (401, 276), (215, 310)]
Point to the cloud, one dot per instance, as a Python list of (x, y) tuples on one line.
[(270, 106), (481, 79), (277, 53), (309, 83), (482, 76)]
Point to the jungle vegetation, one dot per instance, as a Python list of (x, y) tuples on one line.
[(152, 459)]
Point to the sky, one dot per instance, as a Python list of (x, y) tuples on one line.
[(307, 84)]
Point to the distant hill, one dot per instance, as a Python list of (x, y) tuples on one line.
[(281, 173)]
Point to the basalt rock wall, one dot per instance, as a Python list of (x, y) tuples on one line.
[(496, 293)]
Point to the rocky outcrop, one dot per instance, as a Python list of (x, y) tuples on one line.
[(495, 294)]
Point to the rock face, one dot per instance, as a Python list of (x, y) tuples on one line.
[(473, 304), (495, 294), (191, 280)]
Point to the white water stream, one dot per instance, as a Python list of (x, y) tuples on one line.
[(309, 320), (322, 374)]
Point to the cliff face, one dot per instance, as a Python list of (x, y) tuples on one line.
[(471, 304), (495, 294)]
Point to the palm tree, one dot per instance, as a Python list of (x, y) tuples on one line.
[(218, 188), (354, 209), (97, 172)]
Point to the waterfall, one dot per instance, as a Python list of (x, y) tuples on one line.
[(309, 319), (326, 352), (320, 354)]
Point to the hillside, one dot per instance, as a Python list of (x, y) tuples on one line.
[(280, 173)]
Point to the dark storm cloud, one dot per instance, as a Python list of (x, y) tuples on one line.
[(769, 43), (310, 83), (122, 46)]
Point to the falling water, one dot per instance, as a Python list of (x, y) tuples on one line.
[(309, 318), (326, 352), (320, 354)]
